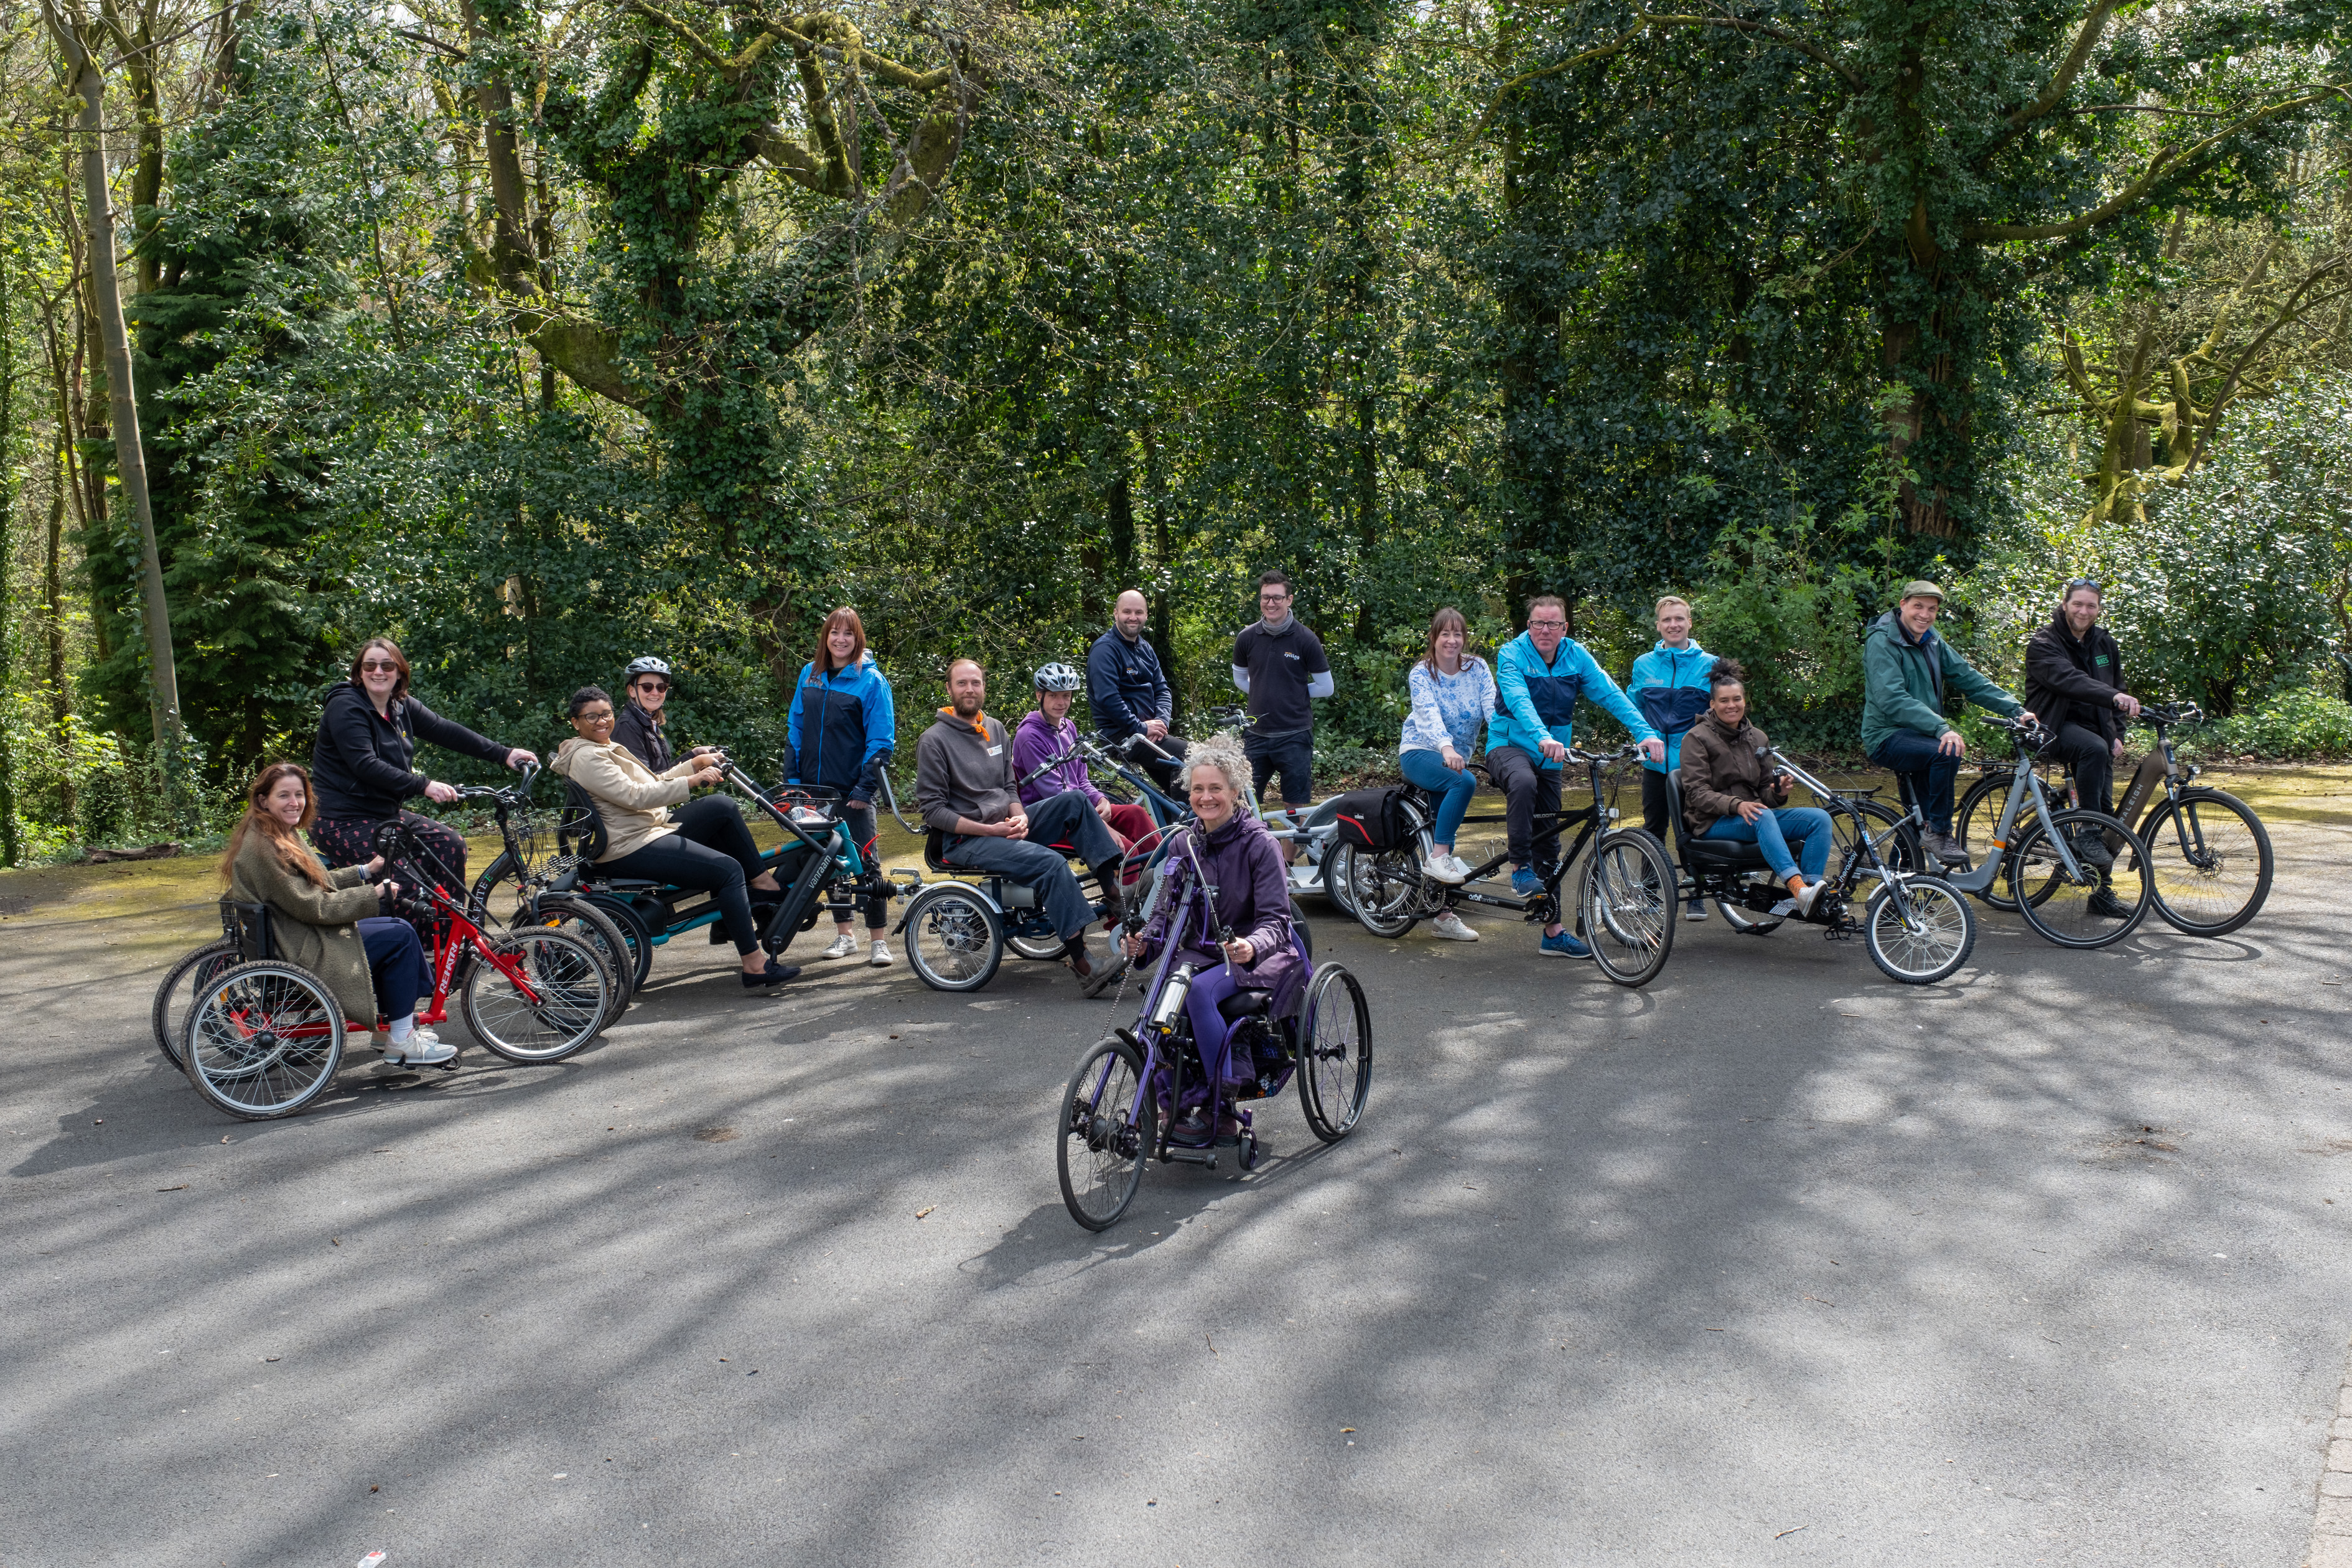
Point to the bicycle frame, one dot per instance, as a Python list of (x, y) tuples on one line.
[(2025, 783), (1544, 905), (1875, 863)]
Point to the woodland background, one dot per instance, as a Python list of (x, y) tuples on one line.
[(539, 336)]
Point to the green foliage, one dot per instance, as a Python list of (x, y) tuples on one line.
[(2301, 725)]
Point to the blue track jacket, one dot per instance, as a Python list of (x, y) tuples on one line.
[(1533, 699), (838, 724), (1669, 686)]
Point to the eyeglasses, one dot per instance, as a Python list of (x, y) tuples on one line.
[(1272, 598), (1547, 626), (594, 716), (378, 667)]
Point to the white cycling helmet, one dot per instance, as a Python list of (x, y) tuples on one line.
[(1058, 678), (648, 666)]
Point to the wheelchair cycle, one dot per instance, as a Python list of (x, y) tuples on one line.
[(818, 867), (1918, 929), (1625, 898), (263, 1036), (1127, 1098), (2207, 850)]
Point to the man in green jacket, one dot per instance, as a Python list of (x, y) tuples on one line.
[(1906, 672)]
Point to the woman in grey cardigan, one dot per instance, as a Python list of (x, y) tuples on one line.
[(327, 921)]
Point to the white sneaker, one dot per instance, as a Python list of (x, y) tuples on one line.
[(1460, 868), (881, 958), (843, 946), (1444, 868), (1449, 925), (1808, 895), (423, 1049)]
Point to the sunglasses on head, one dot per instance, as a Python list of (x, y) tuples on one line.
[(2093, 583)]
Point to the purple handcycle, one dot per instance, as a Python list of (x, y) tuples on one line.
[(1173, 1086)]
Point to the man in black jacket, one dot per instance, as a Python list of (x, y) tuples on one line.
[(1129, 695), (2075, 680)]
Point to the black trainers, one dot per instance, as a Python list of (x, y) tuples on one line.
[(774, 974), (2091, 849), (2107, 905)]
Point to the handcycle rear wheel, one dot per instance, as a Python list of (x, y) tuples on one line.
[(564, 1008), (2068, 912), (1105, 1134), (2213, 861), (1335, 1053), (1933, 944), (1384, 887), (954, 940), (182, 985), (1628, 901), (263, 1039)]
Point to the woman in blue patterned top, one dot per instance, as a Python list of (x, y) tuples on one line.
[(1452, 692)]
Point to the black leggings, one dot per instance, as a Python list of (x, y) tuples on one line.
[(859, 821), (712, 852)]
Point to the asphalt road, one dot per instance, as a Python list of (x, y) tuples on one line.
[(1773, 1261)]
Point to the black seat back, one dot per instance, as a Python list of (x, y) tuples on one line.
[(1674, 811), (580, 826), (248, 925)]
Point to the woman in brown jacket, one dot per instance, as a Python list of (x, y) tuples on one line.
[(1730, 792), (327, 921)]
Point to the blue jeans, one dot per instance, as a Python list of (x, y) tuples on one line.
[(1451, 786), (396, 961), (1069, 818), (1808, 824), (1923, 770)]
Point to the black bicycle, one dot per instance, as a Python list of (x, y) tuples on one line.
[(1625, 899), (2082, 878)]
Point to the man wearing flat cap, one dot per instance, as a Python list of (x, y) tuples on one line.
[(1907, 673)]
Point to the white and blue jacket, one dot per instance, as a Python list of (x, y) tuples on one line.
[(837, 725), (1534, 698), (1447, 709), (1669, 686)]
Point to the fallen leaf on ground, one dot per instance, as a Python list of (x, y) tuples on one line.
[(922, 1211)]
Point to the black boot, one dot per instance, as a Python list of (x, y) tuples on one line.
[(1114, 907)]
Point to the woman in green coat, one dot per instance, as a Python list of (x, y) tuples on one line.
[(327, 921)]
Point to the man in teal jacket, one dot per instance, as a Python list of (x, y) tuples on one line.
[(1669, 685), (1906, 672), (1539, 676)]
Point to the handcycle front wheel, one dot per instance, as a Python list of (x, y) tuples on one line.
[(955, 941), (185, 981), (1628, 903), (2087, 911), (1335, 1053), (1106, 1132), (2211, 856), (1927, 938), (1383, 886), (263, 1039), (601, 930), (553, 1003)]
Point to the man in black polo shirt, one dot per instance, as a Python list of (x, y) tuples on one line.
[(1279, 664)]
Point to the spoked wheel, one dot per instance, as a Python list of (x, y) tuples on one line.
[(1900, 851), (1629, 905), (602, 933), (1334, 887), (634, 933), (1384, 887), (2093, 908), (2213, 861), (954, 941), (263, 1039), (1335, 1053), (186, 981), (553, 1003), (1107, 1128), (1926, 941)]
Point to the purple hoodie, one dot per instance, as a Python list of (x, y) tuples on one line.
[(1252, 895), (1037, 738)]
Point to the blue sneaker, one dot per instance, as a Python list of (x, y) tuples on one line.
[(1564, 945), (1526, 883)]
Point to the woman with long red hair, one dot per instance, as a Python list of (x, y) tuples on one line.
[(843, 728), (328, 921)]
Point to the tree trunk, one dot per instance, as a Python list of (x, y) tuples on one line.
[(8, 472), (130, 461)]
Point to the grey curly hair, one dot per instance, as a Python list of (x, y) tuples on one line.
[(1222, 752)]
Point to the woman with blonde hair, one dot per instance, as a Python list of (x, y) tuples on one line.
[(328, 921)]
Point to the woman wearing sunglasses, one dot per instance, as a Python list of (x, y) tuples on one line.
[(639, 727), (363, 762)]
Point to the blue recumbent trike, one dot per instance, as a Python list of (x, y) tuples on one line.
[(1172, 1086)]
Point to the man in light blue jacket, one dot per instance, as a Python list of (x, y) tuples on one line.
[(1668, 684), (1539, 676)]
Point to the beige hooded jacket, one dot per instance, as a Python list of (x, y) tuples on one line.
[(633, 799)]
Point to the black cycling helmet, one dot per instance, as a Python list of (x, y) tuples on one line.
[(1057, 677), (648, 666)]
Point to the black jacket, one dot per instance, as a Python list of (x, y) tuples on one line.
[(360, 766), (1126, 689), (2071, 682), (636, 730)]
